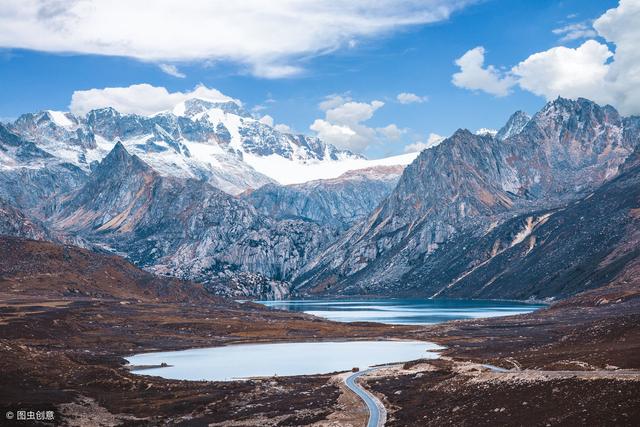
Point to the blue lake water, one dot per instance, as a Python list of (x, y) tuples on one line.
[(306, 358), (283, 359), (403, 311)]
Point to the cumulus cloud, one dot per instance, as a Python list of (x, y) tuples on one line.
[(352, 113), (333, 101), (344, 125), (579, 30), (266, 120), (433, 141), (392, 132), (410, 98), (590, 70), (283, 128), (265, 37), (339, 135), (172, 70), (475, 76), (143, 99), (565, 71)]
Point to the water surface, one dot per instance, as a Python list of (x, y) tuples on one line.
[(403, 311), (283, 359)]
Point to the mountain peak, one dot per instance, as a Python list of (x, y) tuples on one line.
[(462, 133), (104, 112), (514, 125), (194, 106), (119, 159)]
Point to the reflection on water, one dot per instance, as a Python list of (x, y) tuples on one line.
[(403, 311), (261, 360)]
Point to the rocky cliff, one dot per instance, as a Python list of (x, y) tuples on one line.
[(337, 203), (470, 183), (186, 228)]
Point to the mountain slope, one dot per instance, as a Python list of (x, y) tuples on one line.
[(186, 228), (218, 142), (49, 270), (29, 176), (546, 254), (514, 125), (13, 222), (470, 183), (336, 203)]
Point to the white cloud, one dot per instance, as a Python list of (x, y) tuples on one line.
[(283, 128), (265, 37), (565, 71), (410, 98), (333, 101), (579, 30), (433, 141), (344, 124), (141, 99), (473, 75), (353, 112), (392, 132), (172, 70), (339, 135), (266, 120), (591, 70)]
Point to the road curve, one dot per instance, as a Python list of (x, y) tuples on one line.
[(377, 413)]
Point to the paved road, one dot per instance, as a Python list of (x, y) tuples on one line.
[(376, 409)]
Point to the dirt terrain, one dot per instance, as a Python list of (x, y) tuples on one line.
[(574, 363), (68, 316)]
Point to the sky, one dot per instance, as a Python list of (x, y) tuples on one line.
[(380, 78)]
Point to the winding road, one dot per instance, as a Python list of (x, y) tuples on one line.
[(377, 413)]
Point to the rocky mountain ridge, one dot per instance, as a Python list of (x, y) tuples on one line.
[(471, 183), (211, 141), (442, 226), (337, 203), (185, 228)]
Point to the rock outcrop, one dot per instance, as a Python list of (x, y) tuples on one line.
[(469, 184)]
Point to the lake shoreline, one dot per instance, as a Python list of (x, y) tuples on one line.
[(83, 354), (264, 360)]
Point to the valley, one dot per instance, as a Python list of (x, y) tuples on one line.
[(346, 213), (65, 337), (517, 251)]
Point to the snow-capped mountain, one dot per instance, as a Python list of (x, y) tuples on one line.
[(466, 187), (514, 125), (218, 142), (186, 228), (30, 176), (333, 203)]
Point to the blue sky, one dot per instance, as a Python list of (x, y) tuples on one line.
[(418, 59)]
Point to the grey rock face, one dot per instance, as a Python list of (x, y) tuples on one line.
[(43, 129), (335, 203), (545, 254), (514, 125), (31, 178), (185, 227), (13, 222), (219, 134), (468, 183)]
